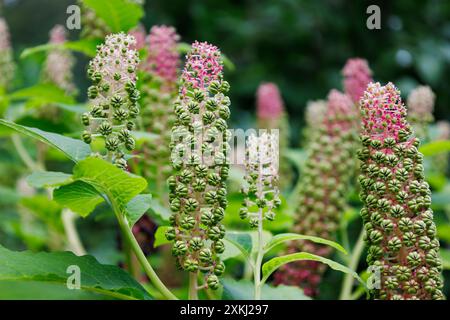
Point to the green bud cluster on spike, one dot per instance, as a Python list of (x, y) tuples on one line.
[(398, 220), (113, 98), (159, 90), (323, 189), (200, 160), (261, 192)]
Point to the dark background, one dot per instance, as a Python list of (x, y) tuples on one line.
[(300, 45)]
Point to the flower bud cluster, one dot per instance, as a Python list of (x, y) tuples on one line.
[(271, 115), (7, 66), (323, 187), (200, 160), (314, 113), (261, 193), (113, 98), (357, 75), (420, 110), (59, 63), (398, 220), (159, 90)]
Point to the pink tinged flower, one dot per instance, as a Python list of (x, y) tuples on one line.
[(57, 34), (4, 36), (163, 58), (383, 112), (139, 34), (59, 63), (357, 75), (315, 111), (203, 66), (269, 102), (443, 127), (339, 104), (421, 101)]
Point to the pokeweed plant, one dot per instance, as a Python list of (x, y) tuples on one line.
[(400, 231), (323, 186), (7, 65), (200, 159), (261, 192), (420, 106)]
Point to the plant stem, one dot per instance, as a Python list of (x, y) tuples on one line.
[(23, 153), (193, 293), (259, 258), (75, 245), (128, 234), (346, 291)]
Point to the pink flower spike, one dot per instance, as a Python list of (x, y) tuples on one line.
[(163, 58), (269, 102), (357, 75), (58, 34), (139, 34)]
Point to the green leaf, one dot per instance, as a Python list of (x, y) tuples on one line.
[(106, 280), (44, 179), (73, 148), (445, 255), (270, 266), (241, 240), (158, 211), (280, 238), (137, 207), (8, 196), (96, 178), (435, 147), (160, 236), (45, 209), (119, 15), (443, 232), (45, 93), (244, 290), (78, 196), (85, 46)]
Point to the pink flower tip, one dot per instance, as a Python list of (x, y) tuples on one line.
[(58, 34), (339, 104), (357, 75), (163, 58), (268, 101), (203, 65), (383, 112), (139, 34)]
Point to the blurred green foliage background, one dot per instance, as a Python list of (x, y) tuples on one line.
[(301, 45)]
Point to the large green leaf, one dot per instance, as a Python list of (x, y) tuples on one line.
[(244, 290), (51, 268), (44, 93), (445, 255), (270, 266), (435, 147), (94, 179), (73, 148), (44, 179), (241, 240), (78, 196), (85, 46), (137, 207), (280, 238), (119, 15)]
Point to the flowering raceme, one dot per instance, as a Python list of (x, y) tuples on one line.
[(159, 90), (357, 75), (400, 232), (271, 115), (323, 188), (420, 110), (261, 194), (113, 97), (199, 157), (59, 63), (7, 66)]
